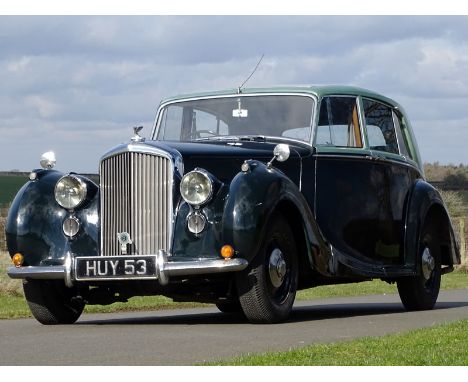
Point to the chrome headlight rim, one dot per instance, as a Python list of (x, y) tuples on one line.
[(83, 190), (209, 178)]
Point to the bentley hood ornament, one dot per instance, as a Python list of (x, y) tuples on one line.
[(137, 137)]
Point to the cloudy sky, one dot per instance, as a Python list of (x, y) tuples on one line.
[(76, 85)]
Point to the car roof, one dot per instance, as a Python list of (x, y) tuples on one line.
[(317, 90)]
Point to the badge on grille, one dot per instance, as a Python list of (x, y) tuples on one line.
[(124, 240)]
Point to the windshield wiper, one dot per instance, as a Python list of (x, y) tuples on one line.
[(249, 138), (219, 138), (253, 138)]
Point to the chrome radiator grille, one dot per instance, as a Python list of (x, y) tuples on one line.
[(136, 197)]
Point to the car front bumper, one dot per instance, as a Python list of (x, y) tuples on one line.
[(164, 269)]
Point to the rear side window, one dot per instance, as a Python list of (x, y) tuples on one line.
[(380, 128), (338, 123)]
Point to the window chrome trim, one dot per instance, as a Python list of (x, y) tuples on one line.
[(157, 122)]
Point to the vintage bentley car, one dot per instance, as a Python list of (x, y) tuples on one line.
[(238, 198)]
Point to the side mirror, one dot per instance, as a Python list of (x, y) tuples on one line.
[(281, 154), (48, 160)]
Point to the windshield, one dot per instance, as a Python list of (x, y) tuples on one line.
[(287, 116)]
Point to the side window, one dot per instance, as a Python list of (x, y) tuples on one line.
[(380, 128), (338, 122)]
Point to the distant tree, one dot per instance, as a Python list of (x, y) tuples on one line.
[(457, 178)]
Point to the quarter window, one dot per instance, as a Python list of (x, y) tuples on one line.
[(380, 128), (339, 123)]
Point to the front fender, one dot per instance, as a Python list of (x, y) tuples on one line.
[(426, 203), (254, 195), (34, 222)]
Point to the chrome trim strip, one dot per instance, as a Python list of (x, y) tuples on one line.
[(366, 156), (157, 122), (52, 272)]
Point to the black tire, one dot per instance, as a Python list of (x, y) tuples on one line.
[(267, 292), (230, 307), (51, 302), (421, 292)]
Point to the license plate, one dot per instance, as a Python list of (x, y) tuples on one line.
[(115, 267)]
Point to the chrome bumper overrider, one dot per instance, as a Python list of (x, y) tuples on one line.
[(164, 269)]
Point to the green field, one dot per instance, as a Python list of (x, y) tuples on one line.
[(442, 345), (9, 186)]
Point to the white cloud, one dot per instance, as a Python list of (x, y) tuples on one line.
[(46, 108), (18, 65)]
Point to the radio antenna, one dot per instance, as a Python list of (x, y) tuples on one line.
[(239, 89)]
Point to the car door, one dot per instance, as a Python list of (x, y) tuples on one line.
[(362, 182)]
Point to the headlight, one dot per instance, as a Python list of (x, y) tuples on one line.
[(70, 191), (196, 187)]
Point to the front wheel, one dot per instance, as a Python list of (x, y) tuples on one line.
[(267, 288), (421, 292), (51, 302)]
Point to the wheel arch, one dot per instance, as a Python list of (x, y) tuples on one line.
[(425, 205), (438, 216)]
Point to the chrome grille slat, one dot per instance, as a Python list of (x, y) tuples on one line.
[(136, 197)]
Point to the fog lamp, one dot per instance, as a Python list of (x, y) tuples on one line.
[(17, 259), (71, 226), (196, 222), (227, 251)]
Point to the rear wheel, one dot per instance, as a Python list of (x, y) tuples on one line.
[(421, 292), (267, 288), (51, 302)]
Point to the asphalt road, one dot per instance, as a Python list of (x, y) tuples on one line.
[(184, 337)]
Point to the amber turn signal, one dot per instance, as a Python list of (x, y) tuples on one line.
[(17, 259), (227, 251)]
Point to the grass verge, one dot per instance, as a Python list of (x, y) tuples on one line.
[(442, 345), (453, 280)]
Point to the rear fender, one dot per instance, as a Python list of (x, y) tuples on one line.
[(427, 205)]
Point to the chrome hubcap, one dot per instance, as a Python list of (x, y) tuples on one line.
[(277, 267), (428, 263)]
